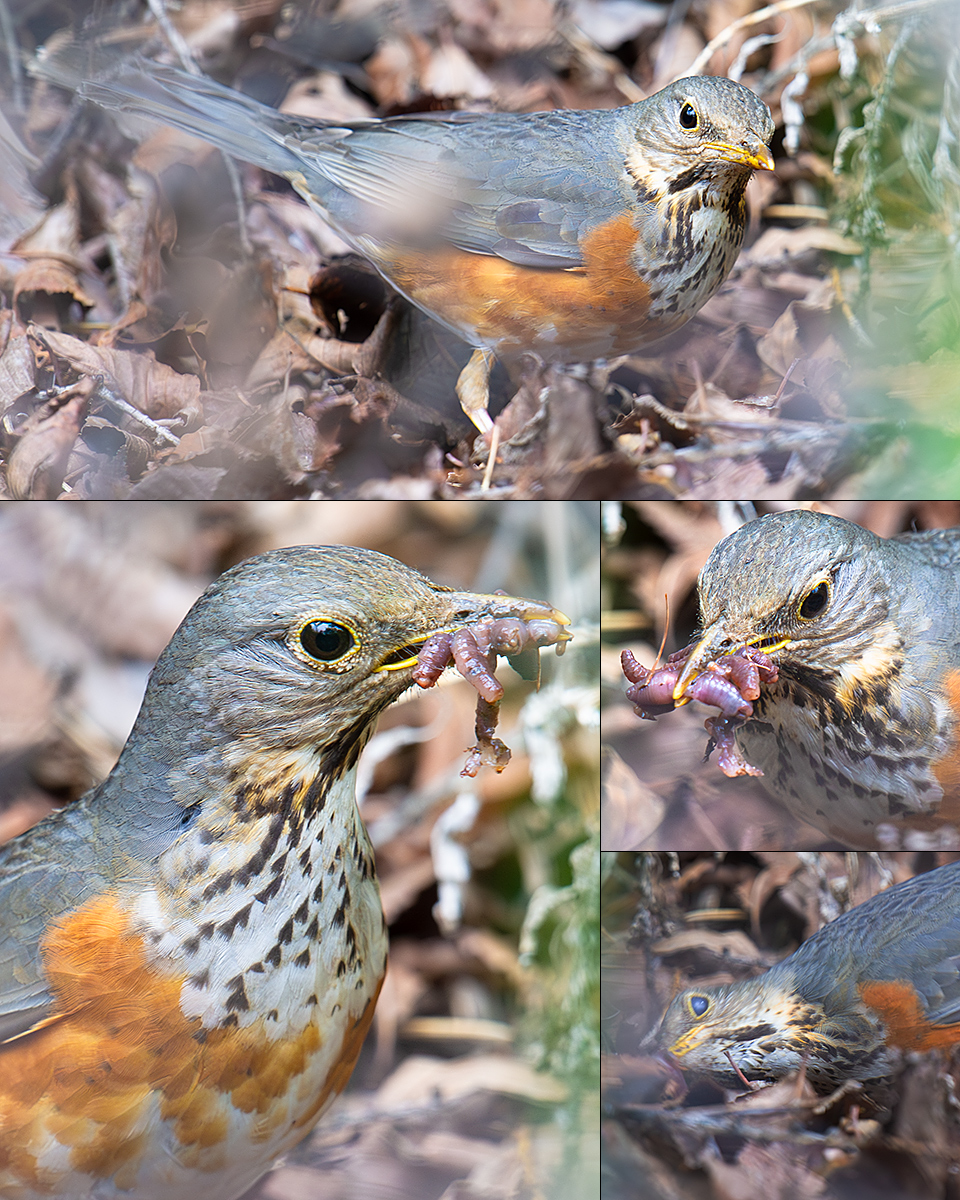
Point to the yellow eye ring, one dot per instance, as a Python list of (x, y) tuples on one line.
[(698, 1005), (814, 602), (326, 643)]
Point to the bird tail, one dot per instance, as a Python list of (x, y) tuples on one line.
[(196, 104)]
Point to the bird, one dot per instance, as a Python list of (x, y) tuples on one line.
[(575, 235), (858, 733), (191, 953), (884, 976)]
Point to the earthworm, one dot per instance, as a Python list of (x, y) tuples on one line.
[(473, 650), (435, 654), (729, 684)]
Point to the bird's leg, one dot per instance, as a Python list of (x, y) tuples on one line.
[(473, 388)]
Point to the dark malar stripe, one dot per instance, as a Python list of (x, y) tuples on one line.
[(752, 1033)]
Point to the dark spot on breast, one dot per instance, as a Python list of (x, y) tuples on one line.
[(237, 1000), (220, 884), (270, 890), (239, 920)]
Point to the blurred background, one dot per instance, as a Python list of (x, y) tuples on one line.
[(480, 1077)]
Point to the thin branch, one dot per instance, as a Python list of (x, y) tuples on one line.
[(8, 35), (868, 18), (754, 18), (109, 394), (183, 52)]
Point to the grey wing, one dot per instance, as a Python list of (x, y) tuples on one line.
[(42, 875), (523, 187), (911, 932), (940, 989)]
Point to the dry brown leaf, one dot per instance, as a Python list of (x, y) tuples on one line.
[(39, 460), (152, 387), (325, 97), (732, 944), (17, 366), (776, 244), (777, 1172)]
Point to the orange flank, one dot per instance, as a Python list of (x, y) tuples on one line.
[(907, 1027), (119, 1056), (339, 1077), (577, 314)]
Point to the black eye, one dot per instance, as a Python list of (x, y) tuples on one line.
[(699, 1005), (326, 641), (688, 116), (814, 602)]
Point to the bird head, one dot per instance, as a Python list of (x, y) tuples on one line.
[(807, 589), (281, 668), (696, 131)]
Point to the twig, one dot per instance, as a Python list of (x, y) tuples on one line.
[(111, 396), (784, 381), (754, 18), (8, 35), (868, 19), (842, 30), (491, 459), (182, 50), (173, 35), (859, 332)]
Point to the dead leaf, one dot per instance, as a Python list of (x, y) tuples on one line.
[(39, 460)]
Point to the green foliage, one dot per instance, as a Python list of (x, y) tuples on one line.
[(899, 185), (562, 929)]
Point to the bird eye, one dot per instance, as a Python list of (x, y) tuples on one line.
[(326, 641), (698, 1005), (688, 116), (814, 602)]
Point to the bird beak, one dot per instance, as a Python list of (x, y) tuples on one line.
[(716, 642), (464, 608), (757, 157)]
